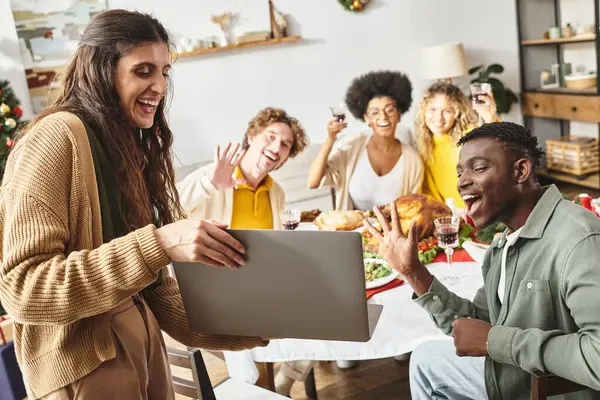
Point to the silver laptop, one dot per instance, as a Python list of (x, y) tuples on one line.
[(295, 284)]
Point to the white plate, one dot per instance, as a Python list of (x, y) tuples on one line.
[(476, 250), (307, 226), (373, 222), (381, 281)]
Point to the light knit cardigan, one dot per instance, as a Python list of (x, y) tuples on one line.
[(342, 162), (57, 279)]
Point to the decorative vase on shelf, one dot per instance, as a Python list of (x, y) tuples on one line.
[(224, 21)]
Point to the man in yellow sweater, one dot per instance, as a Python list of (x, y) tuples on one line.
[(236, 190)]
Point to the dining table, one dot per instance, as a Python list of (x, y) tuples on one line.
[(402, 326)]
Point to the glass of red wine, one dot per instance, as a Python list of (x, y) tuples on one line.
[(447, 230), (339, 112), (290, 219), (478, 90)]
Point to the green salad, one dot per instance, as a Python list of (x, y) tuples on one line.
[(375, 270), (368, 254)]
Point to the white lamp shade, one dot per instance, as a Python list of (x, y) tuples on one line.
[(443, 61)]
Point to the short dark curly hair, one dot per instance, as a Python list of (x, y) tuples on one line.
[(378, 84), (517, 141)]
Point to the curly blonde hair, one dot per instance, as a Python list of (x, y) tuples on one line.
[(270, 115), (423, 137)]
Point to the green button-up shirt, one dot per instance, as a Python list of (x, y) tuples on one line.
[(549, 319)]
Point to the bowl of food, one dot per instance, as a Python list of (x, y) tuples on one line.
[(378, 272)]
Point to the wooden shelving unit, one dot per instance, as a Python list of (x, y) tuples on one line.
[(548, 112), (562, 90), (269, 42), (575, 39), (591, 181)]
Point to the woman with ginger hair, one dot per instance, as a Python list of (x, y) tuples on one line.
[(445, 115), (89, 218)]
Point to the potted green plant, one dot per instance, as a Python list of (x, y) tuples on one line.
[(504, 96)]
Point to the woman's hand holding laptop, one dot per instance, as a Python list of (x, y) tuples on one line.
[(191, 240)]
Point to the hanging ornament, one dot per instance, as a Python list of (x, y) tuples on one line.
[(11, 123), (354, 5), (9, 142), (18, 111), (4, 109)]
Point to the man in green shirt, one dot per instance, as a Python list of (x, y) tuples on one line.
[(539, 308)]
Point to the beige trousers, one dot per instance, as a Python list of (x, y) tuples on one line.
[(140, 369)]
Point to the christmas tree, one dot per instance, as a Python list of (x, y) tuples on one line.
[(10, 120)]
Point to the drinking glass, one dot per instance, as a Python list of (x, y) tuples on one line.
[(478, 89), (447, 230), (339, 112), (290, 218)]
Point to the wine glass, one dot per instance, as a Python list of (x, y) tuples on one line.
[(290, 218), (339, 112), (478, 89), (447, 230)]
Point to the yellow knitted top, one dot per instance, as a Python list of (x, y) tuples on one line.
[(57, 279), (441, 178)]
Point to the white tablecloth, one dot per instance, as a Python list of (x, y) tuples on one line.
[(403, 325)]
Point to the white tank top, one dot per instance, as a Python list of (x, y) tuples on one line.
[(367, 189)]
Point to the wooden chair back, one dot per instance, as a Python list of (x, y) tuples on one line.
[(544, 385), (200, 387)]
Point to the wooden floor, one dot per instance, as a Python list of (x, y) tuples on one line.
[(370, 380)]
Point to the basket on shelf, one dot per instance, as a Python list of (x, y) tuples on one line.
[(573, 155)]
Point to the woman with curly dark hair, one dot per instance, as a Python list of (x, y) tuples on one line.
[(89, 217), (444, 116), (370, 168)]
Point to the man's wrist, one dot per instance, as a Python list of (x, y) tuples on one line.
[(216, 186), (420, 279)]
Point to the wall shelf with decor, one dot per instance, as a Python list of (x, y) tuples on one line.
[(555, 92), (269, 42), (575, 39)]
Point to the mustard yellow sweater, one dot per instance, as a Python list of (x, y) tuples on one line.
[(57, 279), (441, 179)]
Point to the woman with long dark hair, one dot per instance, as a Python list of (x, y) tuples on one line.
[(90, 217)]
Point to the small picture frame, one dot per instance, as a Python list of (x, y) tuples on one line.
[(548, 80)]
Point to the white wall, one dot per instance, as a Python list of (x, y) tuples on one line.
[(216, 95), (11, 67)]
